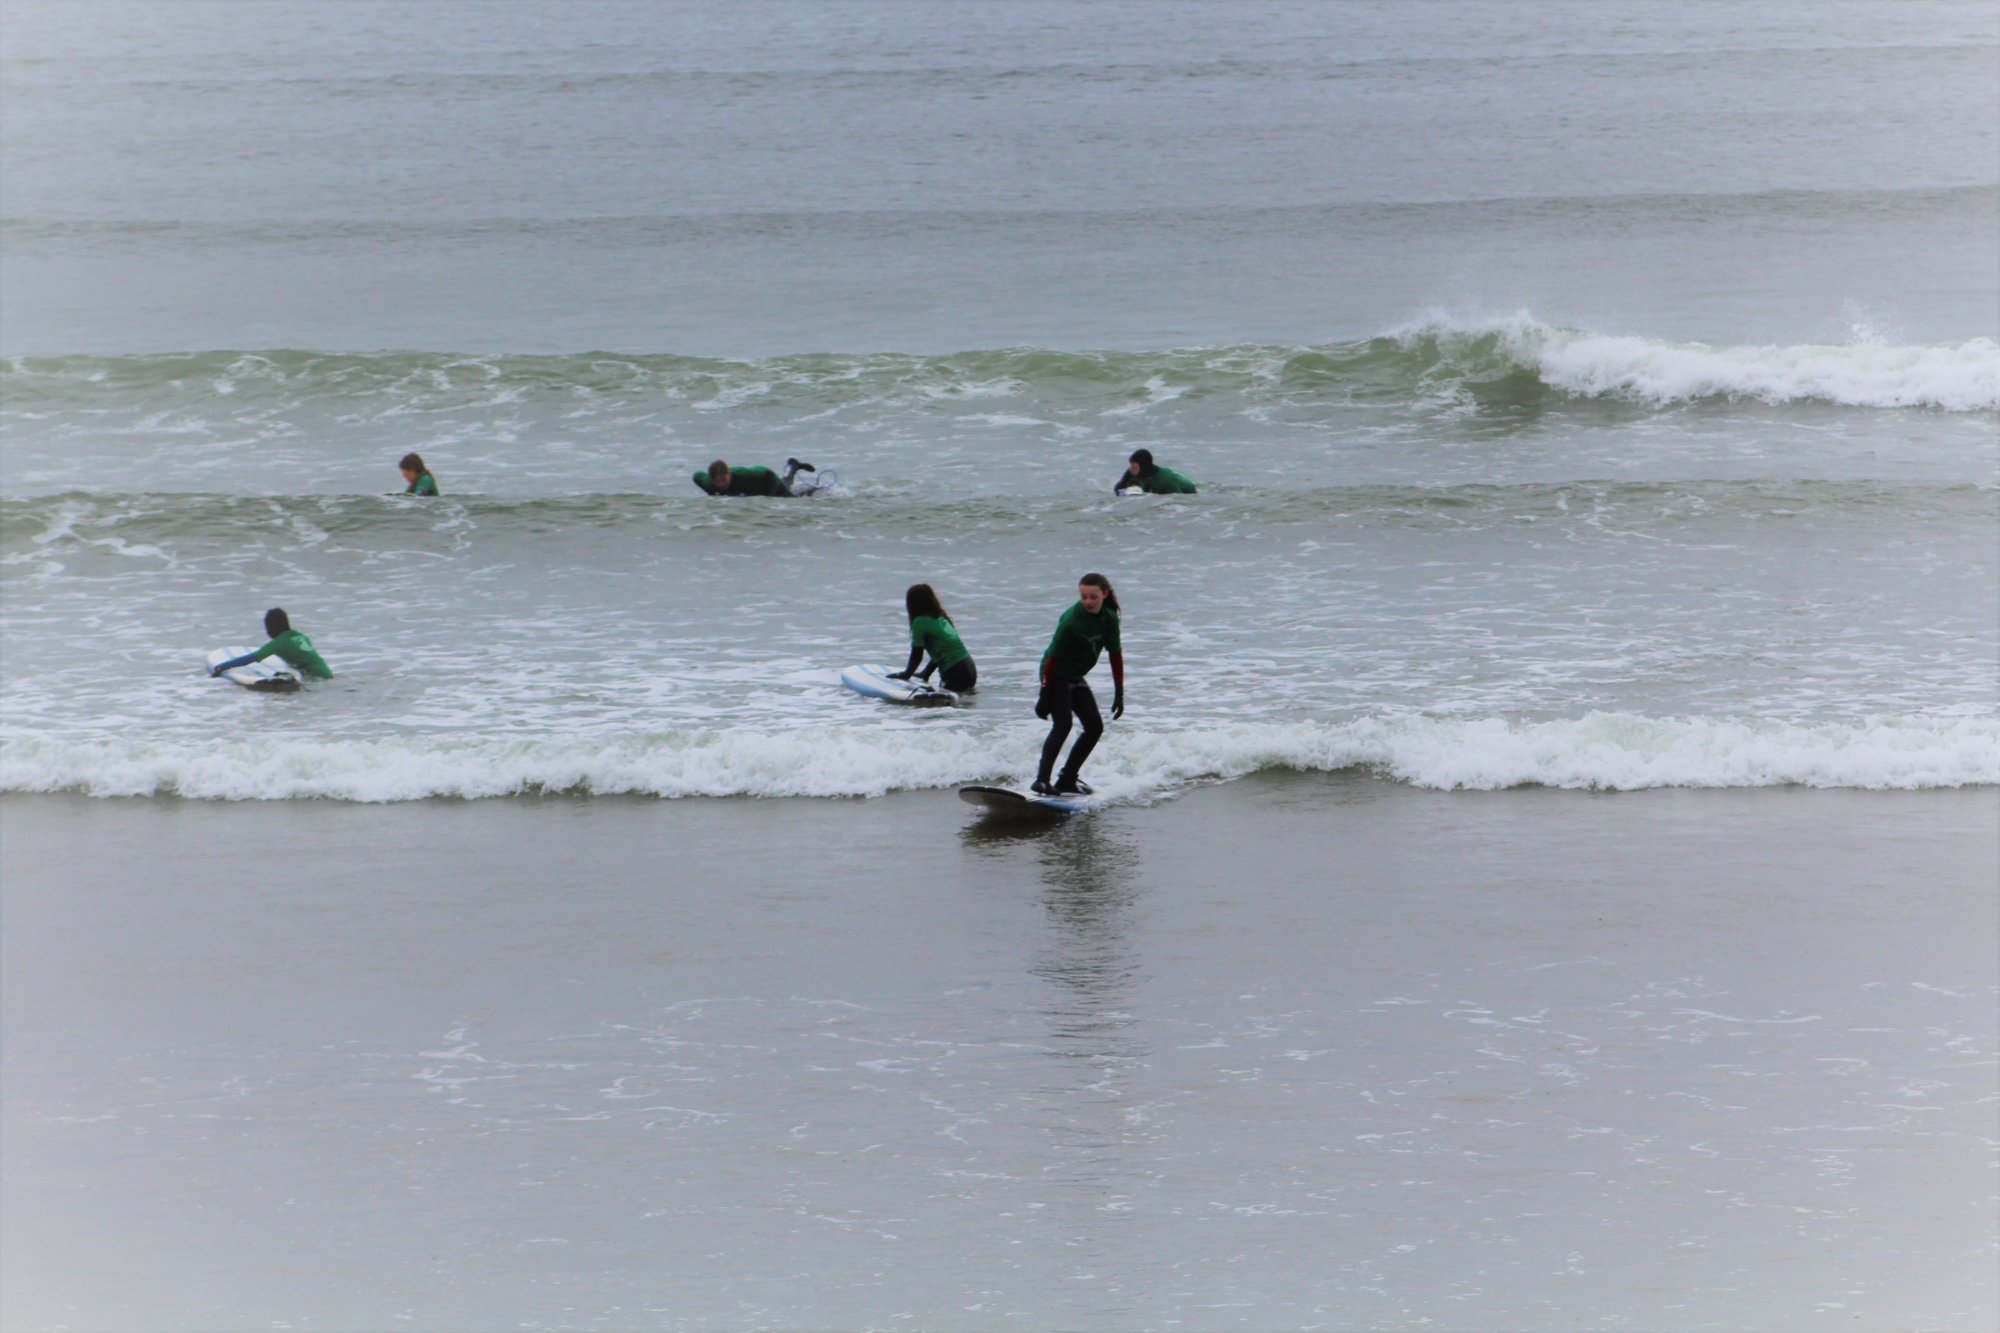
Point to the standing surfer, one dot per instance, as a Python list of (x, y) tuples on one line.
[(1088, 628), (931, 631)]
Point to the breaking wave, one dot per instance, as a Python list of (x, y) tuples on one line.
[(1599, 751), (1436, 358)]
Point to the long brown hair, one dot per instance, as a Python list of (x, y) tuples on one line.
[(1099, 581), (922, 600)]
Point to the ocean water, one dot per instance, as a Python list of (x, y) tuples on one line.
[(1459, 555), (1585, 395), (1589, 395)]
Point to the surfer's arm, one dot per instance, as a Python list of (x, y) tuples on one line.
[(701, 480), (910, 667), (245, 660), (1117, 685)]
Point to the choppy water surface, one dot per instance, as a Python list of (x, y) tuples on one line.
[(1462, 556)]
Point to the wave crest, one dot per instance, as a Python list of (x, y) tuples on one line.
[(1599, 751), (1437, 358), (1522, 353)]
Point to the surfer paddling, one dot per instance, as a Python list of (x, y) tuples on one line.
[(722, 479), (1087, 629), (931, 631), (1143, 474), (295, 648)]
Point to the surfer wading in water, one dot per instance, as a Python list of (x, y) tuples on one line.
[(1085, 630), (931, 631), (418, 477), (722, 479)]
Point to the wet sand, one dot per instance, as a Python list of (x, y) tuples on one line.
[(1292, 1052)]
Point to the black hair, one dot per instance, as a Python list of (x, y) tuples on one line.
[(276, 622), (413, 463), (1099, 581), (717, 466), (1144, 458), (922, 600)]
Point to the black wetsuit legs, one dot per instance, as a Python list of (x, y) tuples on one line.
[(1065, 700), (960, 677)]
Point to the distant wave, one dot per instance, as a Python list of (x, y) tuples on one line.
[(1437, 360), (1864, 373), (1599, 751)]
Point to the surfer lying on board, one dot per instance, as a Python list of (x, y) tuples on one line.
[(1143, 474), (418, 477), (1085, 630), (931, 631), (286, 642), (722, 479)]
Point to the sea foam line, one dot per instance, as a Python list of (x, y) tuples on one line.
[(1598, 751)]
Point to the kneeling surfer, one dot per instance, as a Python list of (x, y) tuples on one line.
[(1085, 630), (1143, 474), (931, 631), (722, 479), (295, 648)]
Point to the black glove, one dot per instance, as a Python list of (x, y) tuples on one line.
[(1044, 704), (899, 675), (1117, 705)]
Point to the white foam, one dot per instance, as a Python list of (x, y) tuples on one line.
[(1864, 373), (1604, 751)]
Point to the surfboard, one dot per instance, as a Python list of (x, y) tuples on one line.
[(1009, 801), (270, 676), (874, 682)]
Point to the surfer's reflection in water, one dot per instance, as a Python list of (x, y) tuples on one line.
[(1084, 1109), (1089, 873)]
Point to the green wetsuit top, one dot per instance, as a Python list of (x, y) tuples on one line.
[(297, 651), (939, 638), (746, 481), (425, 484), (1079, 638), (1160, 481)]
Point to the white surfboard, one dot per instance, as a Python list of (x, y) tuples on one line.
[(270, 676), (874, 682), (1011, 801)]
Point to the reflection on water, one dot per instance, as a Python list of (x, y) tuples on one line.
[(1090, 872), (1089, 1109)]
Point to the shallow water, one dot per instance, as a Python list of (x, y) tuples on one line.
[(1294, 1052)]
